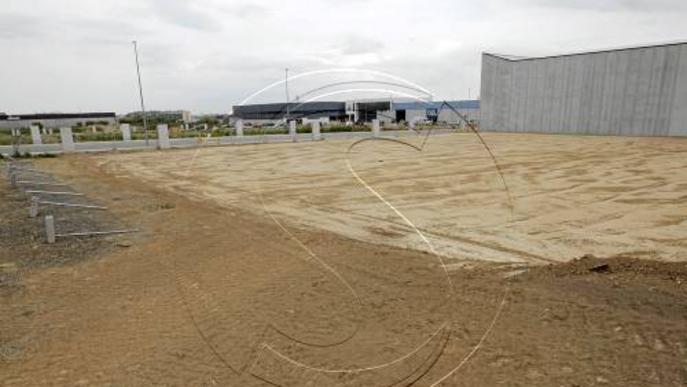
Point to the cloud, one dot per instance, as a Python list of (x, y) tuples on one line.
[(184, 14), (615, 5), (357, 45), (18, 26), (248, 10), (207, 54)]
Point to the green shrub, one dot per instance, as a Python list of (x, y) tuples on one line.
[(5, 139), (345, 128), (223, 132), (50, 138), (303, 129), (140, 135), (98, 136), (259, 131)]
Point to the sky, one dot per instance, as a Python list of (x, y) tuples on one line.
[(208, 55)]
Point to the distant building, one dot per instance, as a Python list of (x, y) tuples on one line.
[(353, 111), (368, 110), (639, 91), (186, 117), (438, 111), (272, 112), (386, 111), (170, 117), (55, 120)]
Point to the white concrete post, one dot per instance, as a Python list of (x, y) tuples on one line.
[(50, 228), (375, 128), (33, 209), (239, 128), (94, 129), (36, 135), (315, 126), (292, 129), (50, 131), (126, 132), (67, 140), (163, 136)]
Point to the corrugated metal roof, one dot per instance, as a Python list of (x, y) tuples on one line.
[(514, 58), (467, 104), (278, 110), (55, 116), (293, 107)]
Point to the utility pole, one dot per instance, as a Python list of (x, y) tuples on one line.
[(286, 86), (140, 91)]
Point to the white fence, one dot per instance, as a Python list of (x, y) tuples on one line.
[(68, 145)]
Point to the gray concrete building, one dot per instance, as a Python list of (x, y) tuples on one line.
[(638, 91), (55, 120), (437, 111)]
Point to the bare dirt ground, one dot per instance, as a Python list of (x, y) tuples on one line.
[(213, 292)]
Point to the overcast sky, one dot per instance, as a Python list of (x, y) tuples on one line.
[(206, 55)]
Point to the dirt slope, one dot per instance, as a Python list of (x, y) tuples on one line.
[(197, 296)]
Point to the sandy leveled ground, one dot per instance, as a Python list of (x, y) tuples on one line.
[(211, 287), (571, 196)]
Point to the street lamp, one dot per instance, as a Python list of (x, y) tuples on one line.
[(140, 91)]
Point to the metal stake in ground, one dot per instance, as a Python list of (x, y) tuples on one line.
[(94, 233), (29, 182), (50, 228), (33, 208), (57, 193), (51, 235), (71, 205), (29, 170), (9, 168)]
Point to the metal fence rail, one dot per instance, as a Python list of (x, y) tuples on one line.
[(191, 142)]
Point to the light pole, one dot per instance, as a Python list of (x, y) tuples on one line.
[(286, 87), (140, 91)]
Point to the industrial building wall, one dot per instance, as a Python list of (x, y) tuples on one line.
[(413, 115), (678, 124), (386, 116), (53, 123), (450, 117), (640, 92)]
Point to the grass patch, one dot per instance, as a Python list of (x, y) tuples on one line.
[(98, 136), (345, 128), (178, 133), (5, 139), (258, 131)]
